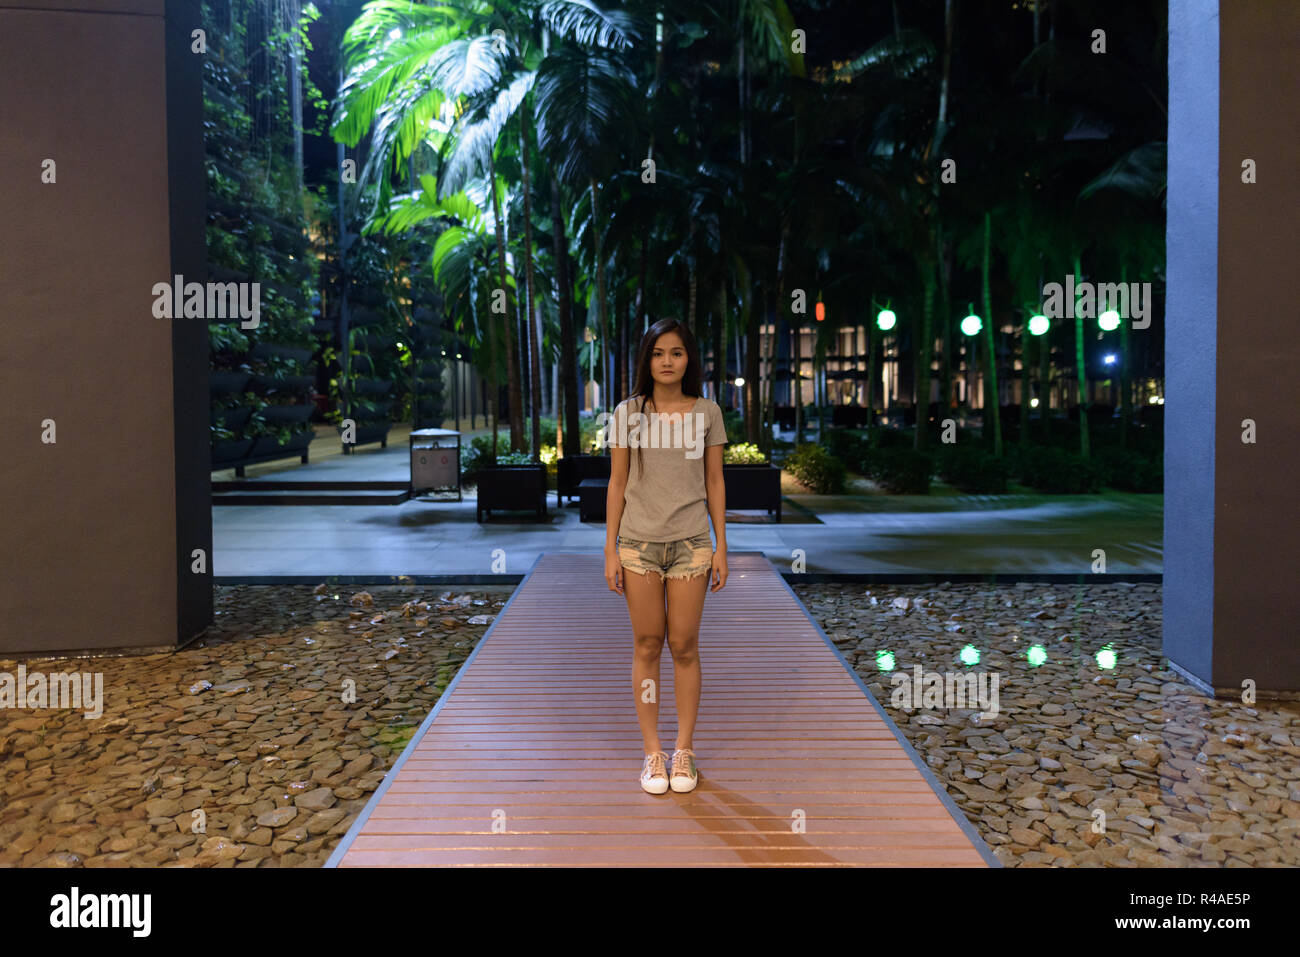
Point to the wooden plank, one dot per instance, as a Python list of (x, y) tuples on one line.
[(532, 756)]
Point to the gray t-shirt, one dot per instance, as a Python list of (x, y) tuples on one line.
[(666, 498)]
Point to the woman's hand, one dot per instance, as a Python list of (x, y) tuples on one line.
[(718, 573), (614, 572)]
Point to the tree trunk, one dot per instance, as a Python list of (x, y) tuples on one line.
[(514, 395), (601, 314), (1045, 378), (753, 397), (991, 397), (796, 380), (945, 321), (1026, 380), (719, 355), (1125, 385), (532, 325), (769, 402), (1082, 369), (570, 434), (923, 347)]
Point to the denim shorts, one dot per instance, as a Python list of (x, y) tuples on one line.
[(683, 558)]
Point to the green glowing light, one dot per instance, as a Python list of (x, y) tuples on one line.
[(1106, 658), (885, 660), (970, 655), (1108, 320), (971, 325), (885, 319), (1036, 654), (1038, 325)]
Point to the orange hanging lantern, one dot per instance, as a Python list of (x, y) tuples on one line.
[(820, 310)]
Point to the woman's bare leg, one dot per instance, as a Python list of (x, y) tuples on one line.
[(645, 605), (685, 607)]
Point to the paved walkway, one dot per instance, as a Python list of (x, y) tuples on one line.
[(947, 532)]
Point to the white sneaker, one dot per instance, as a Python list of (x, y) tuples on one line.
[(685, 774), (654, 776)]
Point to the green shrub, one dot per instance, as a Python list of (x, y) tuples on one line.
[(850, 446), (743, 453), (972, 468), (1132, 471), (1051, 469), (816, 468), (902, 470)]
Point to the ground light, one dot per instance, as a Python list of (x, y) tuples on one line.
[(885, 660), (1038, 325), (885, 319), (1106, 658), (970, 655), (1036, 654), (1110, 359)]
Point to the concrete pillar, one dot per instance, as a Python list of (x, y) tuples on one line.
[(1231, 554), (101, 524)]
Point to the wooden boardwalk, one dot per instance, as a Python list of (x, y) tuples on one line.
[(532, 754)]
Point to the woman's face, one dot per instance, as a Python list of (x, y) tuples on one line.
[(668, 359)]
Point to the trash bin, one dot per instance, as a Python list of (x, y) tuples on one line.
[(435, 461)]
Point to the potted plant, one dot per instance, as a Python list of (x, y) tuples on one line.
[(751, 480), (514, 481)]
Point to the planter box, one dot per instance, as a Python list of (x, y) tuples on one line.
[(368, 432), (230, 451), (371, 387), (224, 383), (299, 441), (361, 316), (236, 419), (375, 343), (293, 384), (511, 487), (572, 469), (370, 411), (280, 414), (753, 486), (264, 350)]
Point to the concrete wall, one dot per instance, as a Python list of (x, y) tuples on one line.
[(99, 525), (1231, 552)]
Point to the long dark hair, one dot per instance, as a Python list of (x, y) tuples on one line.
[(645, 380)]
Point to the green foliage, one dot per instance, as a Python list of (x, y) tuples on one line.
[(816, 468), (903, 470), (1132, 471), (851, 446), (972, 468), (743, 453), (514, 458), (1051, 469)]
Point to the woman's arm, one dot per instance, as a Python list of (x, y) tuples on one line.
[(618, 464), (716, 489)]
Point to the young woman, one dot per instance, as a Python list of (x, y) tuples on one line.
[(666, 463)]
